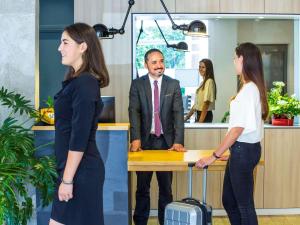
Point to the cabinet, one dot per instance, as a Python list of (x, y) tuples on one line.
[(279, 6), (281, 178)]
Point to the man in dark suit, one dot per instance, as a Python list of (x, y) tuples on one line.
[(156, 122)]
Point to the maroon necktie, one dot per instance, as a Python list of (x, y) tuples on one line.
[(157, 126)]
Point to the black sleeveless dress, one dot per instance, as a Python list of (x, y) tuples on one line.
[(77, 107)]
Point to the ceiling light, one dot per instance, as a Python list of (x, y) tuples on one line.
[(181, 46), (195, 28), (104, 33)]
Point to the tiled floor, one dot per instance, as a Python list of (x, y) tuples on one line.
[(263, 220)]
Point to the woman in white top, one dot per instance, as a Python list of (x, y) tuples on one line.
[(205, 94), (248, 110)]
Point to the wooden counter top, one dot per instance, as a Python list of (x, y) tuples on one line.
[(225, 126), (162, 160), (101, 126)]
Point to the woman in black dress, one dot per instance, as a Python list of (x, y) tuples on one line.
[(79, 195)]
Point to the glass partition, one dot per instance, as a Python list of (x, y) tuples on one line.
[(276, 35)]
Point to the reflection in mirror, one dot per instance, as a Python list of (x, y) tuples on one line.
[(274, 34)]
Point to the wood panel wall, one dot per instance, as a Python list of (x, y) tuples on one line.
[(281, 178)]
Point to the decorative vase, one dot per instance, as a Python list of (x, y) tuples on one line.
[(282, 121), (47, 115)]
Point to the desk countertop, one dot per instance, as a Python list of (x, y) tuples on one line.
[(101, 126), (225, 126), (163, 160)]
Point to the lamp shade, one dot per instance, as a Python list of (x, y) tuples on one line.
[(101, 30), (182, 46), (197, 28)]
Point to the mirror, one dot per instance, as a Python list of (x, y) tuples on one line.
[(274, 34)]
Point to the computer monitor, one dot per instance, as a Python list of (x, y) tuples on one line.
[(108, 114)]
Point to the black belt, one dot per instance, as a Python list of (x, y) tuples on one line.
[(154, 136)]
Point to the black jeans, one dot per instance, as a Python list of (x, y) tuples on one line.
[(142, 195), (238, 183), (208, 117)]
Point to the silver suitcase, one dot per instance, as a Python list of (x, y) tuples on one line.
[(190, 211)]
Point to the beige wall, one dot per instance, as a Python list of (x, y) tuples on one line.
[(118, 50), (223, 31), (271, 32)]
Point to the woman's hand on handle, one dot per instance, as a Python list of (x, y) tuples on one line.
[(206, 161)]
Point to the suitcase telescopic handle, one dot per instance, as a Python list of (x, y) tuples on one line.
[(204, 181)]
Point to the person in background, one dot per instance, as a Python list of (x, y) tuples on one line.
[(156, 122), (205, 94), (78, 199), (248, 110)]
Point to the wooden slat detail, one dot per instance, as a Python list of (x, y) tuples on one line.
[(192, 6), (279, 6), (282, 180), (242, 6)]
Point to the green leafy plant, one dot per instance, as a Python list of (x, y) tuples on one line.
[(18, 164), (282, 105), (225, 116), (50, 102)]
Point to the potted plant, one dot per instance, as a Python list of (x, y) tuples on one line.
[(282, 107), (47, 114), (18, 164)]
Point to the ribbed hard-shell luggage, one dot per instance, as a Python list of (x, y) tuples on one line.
[(190, 211)]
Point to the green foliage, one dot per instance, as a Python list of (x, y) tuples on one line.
[(225, 116), (173, 59), (282, 105), (17, 103), (50, 102), (18, 164)]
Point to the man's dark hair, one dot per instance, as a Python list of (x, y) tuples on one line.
[(151, 51)]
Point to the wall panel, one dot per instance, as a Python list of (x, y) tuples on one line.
[(279, 6), (242, 6), (282, 180), (203, 6)]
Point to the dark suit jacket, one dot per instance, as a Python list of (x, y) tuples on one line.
[(171, 110)]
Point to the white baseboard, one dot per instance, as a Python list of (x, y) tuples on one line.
[(260, 212)]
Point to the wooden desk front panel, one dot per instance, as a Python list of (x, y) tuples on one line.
[(201, 139), (194, 139), (282, 167)]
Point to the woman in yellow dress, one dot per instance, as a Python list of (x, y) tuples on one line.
[(205, 94)]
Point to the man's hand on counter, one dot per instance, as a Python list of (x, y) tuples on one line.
[(135, 146), (177, 148)]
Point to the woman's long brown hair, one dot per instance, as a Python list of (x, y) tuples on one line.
[(253, 71), (209, 74), (93, 59)]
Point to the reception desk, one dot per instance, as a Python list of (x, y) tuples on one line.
[(277, 180), (112, 142), (163, 160)]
